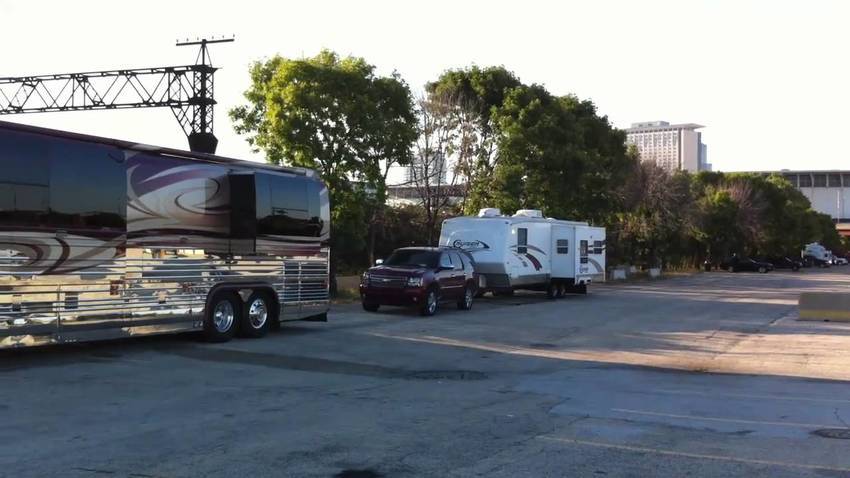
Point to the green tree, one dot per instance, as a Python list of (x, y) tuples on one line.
[(478, 91), (334, 115)]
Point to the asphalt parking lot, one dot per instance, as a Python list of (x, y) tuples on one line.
[(707, 375)]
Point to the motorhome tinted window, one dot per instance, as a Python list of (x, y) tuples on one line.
[(283, 207), (563, 246), (24, 178), (88, 186), (413, 258), (522, 240), (583, 251)]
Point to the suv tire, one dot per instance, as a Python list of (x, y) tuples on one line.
[(431, 302), (465, 302)]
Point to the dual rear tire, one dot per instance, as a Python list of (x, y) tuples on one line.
[(228, 316)]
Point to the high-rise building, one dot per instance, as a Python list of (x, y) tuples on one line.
[(674, 147)]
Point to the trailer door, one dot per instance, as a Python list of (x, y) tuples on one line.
[(563, 252)]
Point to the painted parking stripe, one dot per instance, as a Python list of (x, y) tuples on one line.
[(756, 396), (698, 456), (698, 418)]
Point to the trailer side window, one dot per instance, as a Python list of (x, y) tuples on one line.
[(583, 251), (522, 240), (563, 246), (597, 247)]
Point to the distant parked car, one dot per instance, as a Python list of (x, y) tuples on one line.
[(784, 263), (421, 277), (841, 261), (739, 264)]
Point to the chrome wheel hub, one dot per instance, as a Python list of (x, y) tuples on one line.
[(258, 313), (223, 316), (468, 297), (432, 302)]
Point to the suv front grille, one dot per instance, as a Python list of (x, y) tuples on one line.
[(387, 281)]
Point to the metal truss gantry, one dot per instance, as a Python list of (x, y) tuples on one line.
[(188, 90)]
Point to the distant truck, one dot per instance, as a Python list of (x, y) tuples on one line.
[(529, 251), (815, 254)]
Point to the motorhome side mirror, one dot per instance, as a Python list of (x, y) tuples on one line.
[(379, 262)]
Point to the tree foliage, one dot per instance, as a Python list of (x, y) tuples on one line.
[(337, 116)]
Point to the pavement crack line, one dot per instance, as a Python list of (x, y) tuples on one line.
[(838, 416)]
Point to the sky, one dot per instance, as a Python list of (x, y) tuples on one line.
[(769, 80)]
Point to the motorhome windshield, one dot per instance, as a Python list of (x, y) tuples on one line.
[(413, 258)]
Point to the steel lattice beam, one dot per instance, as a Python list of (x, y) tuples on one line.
[(187, 90)]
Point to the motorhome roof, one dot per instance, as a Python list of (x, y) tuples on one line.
[(519, 219), (152, 149)]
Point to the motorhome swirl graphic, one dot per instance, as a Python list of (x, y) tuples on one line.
[(102, 238)]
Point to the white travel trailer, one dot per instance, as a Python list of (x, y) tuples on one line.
[(528, 251)]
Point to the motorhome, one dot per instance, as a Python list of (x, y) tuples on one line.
[(815, 254), (102, 239), (529, 251)]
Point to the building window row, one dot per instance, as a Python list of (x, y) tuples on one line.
[(819, 180)]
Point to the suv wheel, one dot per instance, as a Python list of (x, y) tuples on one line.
[(429, 305), (465, 302), (762, 270), (370, 306)]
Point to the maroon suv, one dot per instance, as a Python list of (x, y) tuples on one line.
[(422, 277)]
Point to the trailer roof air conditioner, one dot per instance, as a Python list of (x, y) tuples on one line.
[(489, 212), (529, 213)]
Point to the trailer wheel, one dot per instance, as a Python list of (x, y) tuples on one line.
[(551, 290), (257, 316), (222, 317), (562, 290)]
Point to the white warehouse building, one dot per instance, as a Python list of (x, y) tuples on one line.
[(828, 191)]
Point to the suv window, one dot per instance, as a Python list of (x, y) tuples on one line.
[(412, 258), (446, 261), (458, 262)]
